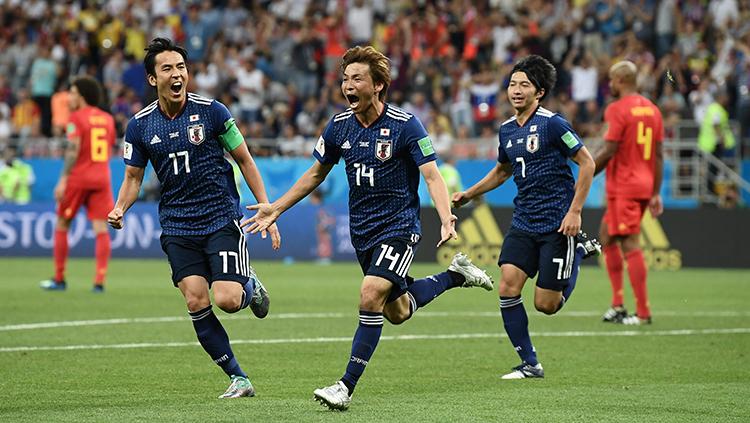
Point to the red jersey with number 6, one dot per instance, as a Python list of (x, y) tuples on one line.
[(95, 130), (635, 123)]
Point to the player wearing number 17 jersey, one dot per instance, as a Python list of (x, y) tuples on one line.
[(632, 155), (85, 179), (184, 136), (385, 150)]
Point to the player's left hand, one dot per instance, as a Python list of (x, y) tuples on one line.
[(448, 230), (275, 236), (571, 224), (655, 206), (59, 190), (264, 217)]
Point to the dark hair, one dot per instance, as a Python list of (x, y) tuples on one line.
[(540, 72), (380, 68), (90, 89), (159, 45)]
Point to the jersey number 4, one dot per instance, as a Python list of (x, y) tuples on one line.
[(645, 138)]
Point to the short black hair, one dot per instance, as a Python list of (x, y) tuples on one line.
[(90, 89), (540, 72), (156, 46)]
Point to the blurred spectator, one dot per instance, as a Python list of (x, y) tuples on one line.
[(665, 26), (250, 89), (451, 175), (196, 34), (43, 80), (60, 111), (359, 19), (716, 136), (25, 116), (16, 178), (6, 126)]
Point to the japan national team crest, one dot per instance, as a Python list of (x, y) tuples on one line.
[(383, 149), (532, 143), (196, 135)]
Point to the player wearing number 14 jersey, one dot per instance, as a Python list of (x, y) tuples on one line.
[(385, 150), (632, 155), (85, 179)]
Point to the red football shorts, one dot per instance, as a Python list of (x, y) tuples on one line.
[(623, 215), (98, 202)]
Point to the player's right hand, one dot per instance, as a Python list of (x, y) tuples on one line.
[(459, 199), (114, 218), (264, 217)]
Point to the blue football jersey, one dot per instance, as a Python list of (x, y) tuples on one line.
[(198, 193), (539, 152), (382, 166)]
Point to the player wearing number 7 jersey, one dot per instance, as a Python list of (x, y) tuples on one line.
[(632, 154), (85, 179), (534, 149), (384, 150), (184, 136)]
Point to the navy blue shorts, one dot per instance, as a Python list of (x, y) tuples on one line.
[(389, 259), (218, 256), (551, 254)]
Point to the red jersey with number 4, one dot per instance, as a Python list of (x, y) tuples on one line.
[(634, 123), (95, 130)]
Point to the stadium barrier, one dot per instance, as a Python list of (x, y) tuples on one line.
[(680, 238)]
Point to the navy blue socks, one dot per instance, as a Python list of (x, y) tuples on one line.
[(215, 341), (516, 324), (363, 346)]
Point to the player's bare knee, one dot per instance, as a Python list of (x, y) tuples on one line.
[(228, 303), (396, 316), (506, 289), (196, 303), (546, 307)]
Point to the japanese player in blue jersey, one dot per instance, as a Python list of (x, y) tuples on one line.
[(534, 149), (385, 150), (184, 136)]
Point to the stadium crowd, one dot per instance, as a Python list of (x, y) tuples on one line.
[(275, 63)]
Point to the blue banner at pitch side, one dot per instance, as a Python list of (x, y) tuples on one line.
[(308, 232)]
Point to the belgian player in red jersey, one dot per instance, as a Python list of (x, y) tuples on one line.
[(85, 178), (632, 155)]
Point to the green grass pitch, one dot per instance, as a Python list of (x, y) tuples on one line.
[(131, 353)]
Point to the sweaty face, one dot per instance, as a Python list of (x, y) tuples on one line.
[(171, 76), (521, 92), (357, 86)]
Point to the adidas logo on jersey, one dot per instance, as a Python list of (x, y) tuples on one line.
[(479, 236), (346, 145), (509, 144), (155, 139)]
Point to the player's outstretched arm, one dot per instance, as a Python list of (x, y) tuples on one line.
[(254, 181), (439, 194), (129, 190), (266, 214), (571, 223), (493, 179)]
